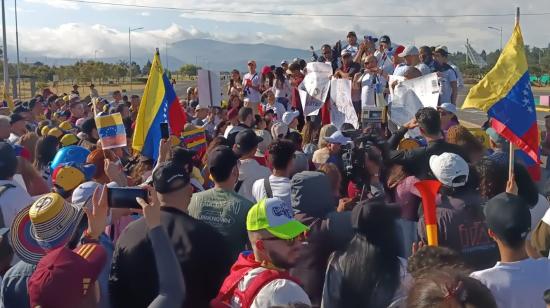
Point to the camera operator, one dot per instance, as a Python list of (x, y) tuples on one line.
[(364, 174)]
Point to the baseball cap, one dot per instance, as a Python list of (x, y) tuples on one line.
[(69, 139), (266, 70), (63, 277), (166, 174), (337, 138), (409, 51), (32, 234), (68, 176), (508, 216), (450, 169), (7, 155), (495, 137), (251, 62), (289, 116), (448, 107), (284, 62), (71, 154), (56, 132), (66, 125), (345, 52), (245, 141), (276, 217), (222, 158), (351, 33), (44, 130), (398, 50), (442, 50), (199, 107), (16, 117), (279, 130), (385, 39)]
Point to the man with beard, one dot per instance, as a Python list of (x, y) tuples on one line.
[(259, 278)]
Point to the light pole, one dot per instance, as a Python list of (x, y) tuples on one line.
[(500, 30), (5, 53), (130, 51), (17, 50)]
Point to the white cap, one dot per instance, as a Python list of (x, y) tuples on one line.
[(284, 62), (289, 116), (337, 138), (279, 129), (345, 52), (409, 51), (448, 107), (448, 167), (442, 47)]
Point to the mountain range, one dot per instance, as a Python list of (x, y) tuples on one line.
[(209, 54)]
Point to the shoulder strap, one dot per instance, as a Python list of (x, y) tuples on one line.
[(268, 190), (247, 297), (238, 186)]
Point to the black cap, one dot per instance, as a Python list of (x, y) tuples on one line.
[(16, 117), (88, 126), (385, 39), (183, 156), (246, 141), (222, 158), (509, 217), (7, 155), (351, 33), (166, 174)]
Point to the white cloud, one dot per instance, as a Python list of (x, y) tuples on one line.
[(60, 4)]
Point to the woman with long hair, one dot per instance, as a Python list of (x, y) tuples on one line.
[(45, 151), (235, 102), (460, 135), (368, 273), (235, 86), (310, 134), (281, 87)]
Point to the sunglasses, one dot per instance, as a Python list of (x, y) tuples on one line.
[(290, 242)]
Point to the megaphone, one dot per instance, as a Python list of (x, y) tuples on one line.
[(428, 191)]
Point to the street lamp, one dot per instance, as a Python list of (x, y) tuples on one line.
[(130, 50), (500, 30)]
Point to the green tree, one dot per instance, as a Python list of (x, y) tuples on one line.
[(189, 70), (146, 68)]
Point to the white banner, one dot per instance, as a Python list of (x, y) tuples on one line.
[(426, 89), (210, 93), (341, 109), (314, 88)]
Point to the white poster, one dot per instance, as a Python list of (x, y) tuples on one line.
[(314, 88), (210, 93), (404, 106), (341, 109), (426, 89)]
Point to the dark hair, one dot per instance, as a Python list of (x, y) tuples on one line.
[(121, 107), (435, 257), (280, 76), (303, 64), (216, 141), (88, 126), (370, 266), (296, 138), (45, 151), (244, 113), (547, 296), (257, 119), (310, 132), (222, 172), (443, 286), (346, 127), (494, 175), (426, 49), (428, 119), (217, 129), (281, 152)]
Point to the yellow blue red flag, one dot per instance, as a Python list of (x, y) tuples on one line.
[(159, 104), (111, 131), (505, 94)]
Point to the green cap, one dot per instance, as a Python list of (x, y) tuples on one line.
[(276, 217)]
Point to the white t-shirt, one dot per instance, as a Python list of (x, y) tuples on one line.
[(249, 172), (400, 70), (279, 185), (279, 292), (252, 94), (459, 79), (13, 200), (384, 61), (352, 49), (517, 284), (368, 88), (281, 90), (445, 90)]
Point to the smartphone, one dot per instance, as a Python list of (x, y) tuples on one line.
[(164, 131), (125, 197)]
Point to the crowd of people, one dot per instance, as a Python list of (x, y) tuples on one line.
[(281, 209)]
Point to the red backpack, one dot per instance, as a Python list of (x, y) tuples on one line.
[(245, 263)]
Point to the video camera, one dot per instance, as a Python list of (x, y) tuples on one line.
[(355, 154)]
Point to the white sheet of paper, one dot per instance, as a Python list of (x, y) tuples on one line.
[(315, 86), (426, 88), (342, 110), (210, 93)]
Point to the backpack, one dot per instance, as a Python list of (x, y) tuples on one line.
[(3, 189), (229, 288)]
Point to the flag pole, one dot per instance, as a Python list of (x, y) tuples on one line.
[(511, 162)]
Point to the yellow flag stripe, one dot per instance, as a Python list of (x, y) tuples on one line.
[(109, 120), (510, 67), (150, 103)]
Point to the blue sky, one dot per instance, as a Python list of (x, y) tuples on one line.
[(56, 28)]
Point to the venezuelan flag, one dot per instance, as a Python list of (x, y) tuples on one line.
[(159, 103), (505, 94), (194, 139), (111, 131)]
